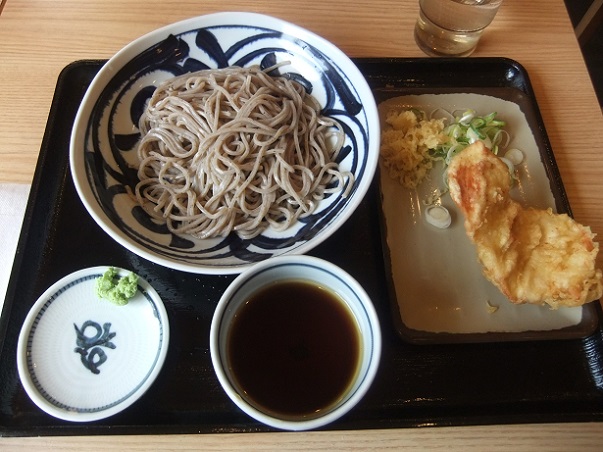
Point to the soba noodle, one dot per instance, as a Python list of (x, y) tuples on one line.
[(235, 150)]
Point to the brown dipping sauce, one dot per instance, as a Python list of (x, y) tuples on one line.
[(294, 349)]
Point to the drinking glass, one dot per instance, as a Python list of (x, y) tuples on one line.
[(453, 27)]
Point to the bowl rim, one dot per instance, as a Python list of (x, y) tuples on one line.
[(79, 172), (371, 316)]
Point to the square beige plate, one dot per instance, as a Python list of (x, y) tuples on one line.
[(436, 279)]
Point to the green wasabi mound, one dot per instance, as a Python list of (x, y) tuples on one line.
[(115, 289)]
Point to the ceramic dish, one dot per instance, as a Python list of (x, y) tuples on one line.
[(438, 282), (105, 133), (81, 358), (327, 277)]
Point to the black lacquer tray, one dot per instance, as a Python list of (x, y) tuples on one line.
[(417, 385)]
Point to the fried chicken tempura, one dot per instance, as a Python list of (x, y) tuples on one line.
[(532, 256)]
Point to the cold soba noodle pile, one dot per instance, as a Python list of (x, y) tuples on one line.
[(235, 150)]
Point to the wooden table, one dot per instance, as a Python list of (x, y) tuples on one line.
[(39, 37)]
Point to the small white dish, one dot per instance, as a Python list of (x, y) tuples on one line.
[(81, 358)]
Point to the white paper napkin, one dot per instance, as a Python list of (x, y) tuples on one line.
[(13, 200)]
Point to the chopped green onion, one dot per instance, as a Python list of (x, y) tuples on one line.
[(438, 216), (515, 156), (509, 164), (467, 116), (420, 114), (467, 128), (490, 117), (478, 123)]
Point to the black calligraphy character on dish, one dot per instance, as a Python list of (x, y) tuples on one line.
[(89, 347)]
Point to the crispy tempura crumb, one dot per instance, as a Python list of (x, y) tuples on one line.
[(405, 146)]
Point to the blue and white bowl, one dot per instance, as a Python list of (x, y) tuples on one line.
[(103, 156)]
